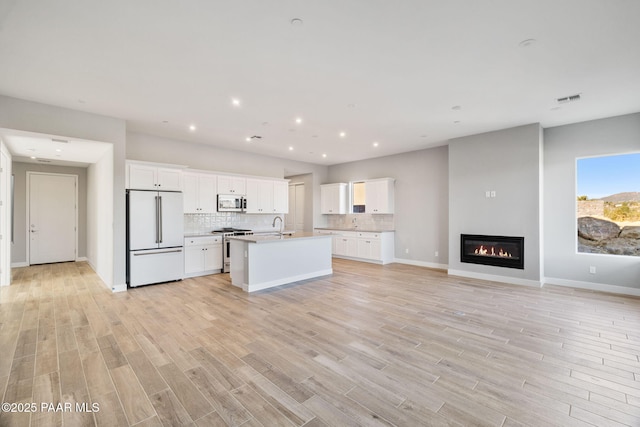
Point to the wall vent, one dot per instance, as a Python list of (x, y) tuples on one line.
[(570, 98), (64, 141)]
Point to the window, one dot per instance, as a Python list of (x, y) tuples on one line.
[(608, 204), (358, 194)]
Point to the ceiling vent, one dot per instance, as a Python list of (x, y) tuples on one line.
[(571, 98), (64, 141), (256, 137)]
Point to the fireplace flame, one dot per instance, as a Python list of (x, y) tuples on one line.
[(491, 251)]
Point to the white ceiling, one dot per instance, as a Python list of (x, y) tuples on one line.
[(31, 147), (381, 71)]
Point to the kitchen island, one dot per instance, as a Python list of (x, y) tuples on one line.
[(260, 262)]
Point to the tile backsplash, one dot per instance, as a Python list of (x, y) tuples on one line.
[(205, 223), (362, 221)]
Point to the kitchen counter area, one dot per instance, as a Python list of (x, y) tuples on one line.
[(264, 261)]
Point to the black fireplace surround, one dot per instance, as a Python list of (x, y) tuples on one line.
[(500, 251)]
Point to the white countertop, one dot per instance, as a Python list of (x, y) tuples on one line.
[(278, 238)]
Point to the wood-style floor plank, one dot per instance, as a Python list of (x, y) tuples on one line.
[(371, 345)]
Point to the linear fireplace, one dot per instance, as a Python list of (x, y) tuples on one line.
[(499, 251)]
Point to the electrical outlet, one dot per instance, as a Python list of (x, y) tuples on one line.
[(592, 270), (406, 251), (436, 253), (487, 194), (493, 193)]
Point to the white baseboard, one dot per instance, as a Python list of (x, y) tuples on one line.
[(119, 288), (81, 259), (495, 278), (421, 263), (602, 287), (19, 264)]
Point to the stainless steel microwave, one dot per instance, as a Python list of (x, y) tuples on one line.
[(231, 203)]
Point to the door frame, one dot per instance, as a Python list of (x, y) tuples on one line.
[(28, 210)]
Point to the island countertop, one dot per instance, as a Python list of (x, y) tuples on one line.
[(277, 238)]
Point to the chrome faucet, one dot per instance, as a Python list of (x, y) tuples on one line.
[(281, 223)]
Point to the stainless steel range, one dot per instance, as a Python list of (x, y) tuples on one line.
[(226, 244)]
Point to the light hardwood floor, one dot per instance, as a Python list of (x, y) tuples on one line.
[(371, 345)]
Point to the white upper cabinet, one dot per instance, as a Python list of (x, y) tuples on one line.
[(281, 197), (267, 196), (199, 193), (150, 177), (228, 184), (379, 195), (333, 198)]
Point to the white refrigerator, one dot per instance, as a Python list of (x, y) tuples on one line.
[(154, 237)]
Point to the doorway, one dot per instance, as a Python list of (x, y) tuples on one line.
[(52, 217)]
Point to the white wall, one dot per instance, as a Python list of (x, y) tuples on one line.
[(421, 200), (5, 215), (562, 145), (48, 119), (100, 217), (507, 162)]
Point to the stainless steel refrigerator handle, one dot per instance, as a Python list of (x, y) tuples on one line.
[(156, 253), (157, 240), (160, 221)]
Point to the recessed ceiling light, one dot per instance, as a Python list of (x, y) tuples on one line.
[(248, 139), (58, 150), (375, 144), (290, 148), (235, 102), (192, 128), (527, 42), (296, 22), (324, 155), (298, 120), (343, 134), (33, 157)]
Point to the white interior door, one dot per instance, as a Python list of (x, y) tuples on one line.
[(52, 218)]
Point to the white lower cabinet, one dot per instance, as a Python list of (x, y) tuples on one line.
[(202, 255), (376, 247)]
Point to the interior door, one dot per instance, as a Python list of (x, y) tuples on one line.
[(52, 218)]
